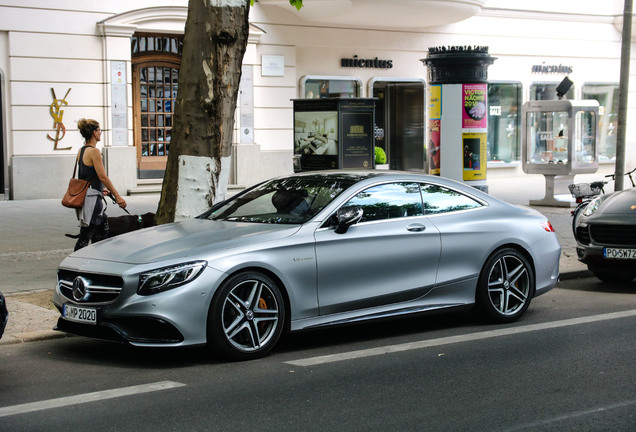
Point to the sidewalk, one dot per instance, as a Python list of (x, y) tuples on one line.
[(33, 244)]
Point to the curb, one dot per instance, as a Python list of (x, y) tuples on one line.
[(576, 274), (33, 336)]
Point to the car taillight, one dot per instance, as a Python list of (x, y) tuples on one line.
[(546, 225)]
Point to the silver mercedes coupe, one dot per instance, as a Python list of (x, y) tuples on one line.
[(305, 251)]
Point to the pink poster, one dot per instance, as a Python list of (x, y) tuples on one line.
[(434, 146), (475, 103)]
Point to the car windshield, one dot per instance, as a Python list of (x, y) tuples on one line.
[(291, 200)]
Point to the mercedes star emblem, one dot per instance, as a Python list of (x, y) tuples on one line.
[(80, 287)]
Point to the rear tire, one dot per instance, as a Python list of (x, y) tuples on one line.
[(505, 286), (246, 317)]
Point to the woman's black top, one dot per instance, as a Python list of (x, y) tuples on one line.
[(88, 172)]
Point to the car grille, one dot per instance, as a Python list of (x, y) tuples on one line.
[(613, 235), (583, 235), (98, 288)]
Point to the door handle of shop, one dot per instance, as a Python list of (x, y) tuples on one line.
[(416, 227)]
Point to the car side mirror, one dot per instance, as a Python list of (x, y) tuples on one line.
[(347, 216)]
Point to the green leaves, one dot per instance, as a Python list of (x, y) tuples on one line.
[(296, 3)]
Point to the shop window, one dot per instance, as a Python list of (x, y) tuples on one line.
[(158, 92), (504, 122), (547, 91), (547, 134), (607, 97), (150, 44), (316, 87)]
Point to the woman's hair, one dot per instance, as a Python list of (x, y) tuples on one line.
[(87, 127)]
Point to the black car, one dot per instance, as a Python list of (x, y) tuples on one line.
[(4, 314), (605, 233)]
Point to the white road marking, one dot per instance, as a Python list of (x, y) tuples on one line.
[(551, 421), (312, 361), (87, 397)]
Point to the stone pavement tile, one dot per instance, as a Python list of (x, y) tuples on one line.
[(28, 322)]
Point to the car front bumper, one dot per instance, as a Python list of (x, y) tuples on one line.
[(594, 257), (177, 317)]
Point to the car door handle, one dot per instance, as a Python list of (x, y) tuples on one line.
[(416, 227)]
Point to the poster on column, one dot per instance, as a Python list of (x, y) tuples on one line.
[(474, 144), (434, 124), (433, 146), (475, 102)]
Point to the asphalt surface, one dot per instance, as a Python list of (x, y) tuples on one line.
[(33, 243)]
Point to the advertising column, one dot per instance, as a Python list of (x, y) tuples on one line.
[(458, 121)]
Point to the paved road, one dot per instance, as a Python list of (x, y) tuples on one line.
[(567, 365)]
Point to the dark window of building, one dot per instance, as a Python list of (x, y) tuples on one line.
[(504, 122)]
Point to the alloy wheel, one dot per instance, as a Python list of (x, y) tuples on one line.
[(509, 285), (250, 315)]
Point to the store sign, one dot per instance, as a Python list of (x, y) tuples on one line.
[(552, 69), (373, 63), (57, 113)]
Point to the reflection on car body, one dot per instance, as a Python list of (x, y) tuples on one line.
[(306, 251)]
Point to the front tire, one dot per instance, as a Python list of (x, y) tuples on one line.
[(246, 317), (505, 286)]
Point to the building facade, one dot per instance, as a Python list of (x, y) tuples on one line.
[(118, 62)]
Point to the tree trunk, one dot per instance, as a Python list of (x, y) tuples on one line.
[(200, 152)]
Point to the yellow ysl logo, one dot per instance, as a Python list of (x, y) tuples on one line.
[(57, 112)]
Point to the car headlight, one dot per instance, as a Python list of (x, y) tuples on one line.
[(167, 278), (591, 208)]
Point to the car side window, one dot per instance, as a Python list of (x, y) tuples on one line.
[(389, 201), (438, 199)]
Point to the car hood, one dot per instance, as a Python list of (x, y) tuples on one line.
[(622, 202), (188, 238)]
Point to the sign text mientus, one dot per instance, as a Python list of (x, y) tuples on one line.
[(373, 63)]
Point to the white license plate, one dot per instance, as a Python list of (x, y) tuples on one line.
[(79, 314), (616, 253)]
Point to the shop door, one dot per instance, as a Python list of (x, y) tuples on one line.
[(400, 123), (155, 87)]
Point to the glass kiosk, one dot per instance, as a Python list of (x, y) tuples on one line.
[(559, 140)]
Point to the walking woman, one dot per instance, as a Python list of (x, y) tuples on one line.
[(92, 217)]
